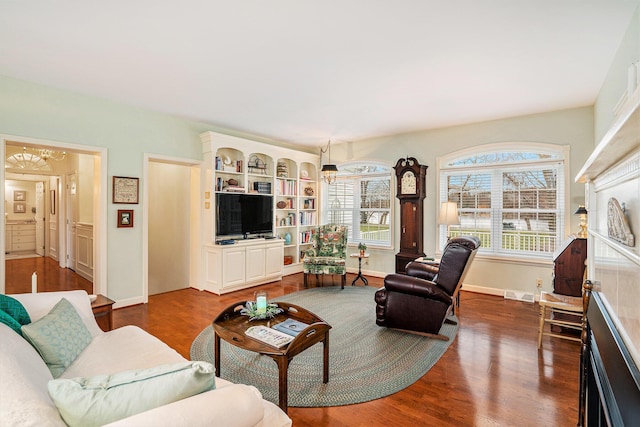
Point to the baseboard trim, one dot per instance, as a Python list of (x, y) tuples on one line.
[(129, 301), (483, 290)]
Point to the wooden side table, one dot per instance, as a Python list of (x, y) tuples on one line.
[(102, 311), (230, 326), (360, 276)]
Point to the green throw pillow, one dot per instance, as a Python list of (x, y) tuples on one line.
[(59, 336), (10, 321), (15, 309), (104, 399)]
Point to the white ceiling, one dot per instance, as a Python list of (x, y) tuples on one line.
[(307, 71)]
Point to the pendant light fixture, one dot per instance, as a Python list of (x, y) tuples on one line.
[(329, 171)]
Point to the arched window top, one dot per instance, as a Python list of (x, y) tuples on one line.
[(363, 169), (504, 153), (26, 161)]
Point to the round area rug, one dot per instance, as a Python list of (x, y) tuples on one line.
[(366, 362)]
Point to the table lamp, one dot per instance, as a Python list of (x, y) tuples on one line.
[(582, 211), (448, 216)]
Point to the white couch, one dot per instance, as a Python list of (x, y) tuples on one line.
[(24, 399)]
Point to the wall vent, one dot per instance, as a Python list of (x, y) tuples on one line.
[(519, 295)]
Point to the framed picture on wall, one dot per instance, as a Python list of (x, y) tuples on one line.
[(19, 196), (19, 207), (125, 190), (125, 218)]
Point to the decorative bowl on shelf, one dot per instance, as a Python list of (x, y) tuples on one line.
[(308, 191), (281, 204)]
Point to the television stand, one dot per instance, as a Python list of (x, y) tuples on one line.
[(248, 262)]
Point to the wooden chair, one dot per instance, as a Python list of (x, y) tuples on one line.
[(568, 306)]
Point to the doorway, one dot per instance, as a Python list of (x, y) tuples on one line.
[(172, 227), (25, 216), (54, 200)]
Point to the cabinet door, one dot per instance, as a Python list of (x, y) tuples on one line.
[(274, 256), (7, 238), (234, 262), (255, 268), (213, 270)]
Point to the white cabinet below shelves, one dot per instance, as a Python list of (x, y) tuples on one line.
[(245, 264), (20, 237)]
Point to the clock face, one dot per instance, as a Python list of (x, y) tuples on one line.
[(408, 183)]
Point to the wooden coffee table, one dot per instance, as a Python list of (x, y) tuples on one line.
[(230, 325)]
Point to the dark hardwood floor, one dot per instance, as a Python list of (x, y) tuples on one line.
[(491, 375)]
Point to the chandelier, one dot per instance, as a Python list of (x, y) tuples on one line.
[(46, 153), (329, 170)]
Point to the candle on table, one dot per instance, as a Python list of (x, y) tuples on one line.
[(261, 302), (34, 283)]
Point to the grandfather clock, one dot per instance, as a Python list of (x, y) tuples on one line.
[(411, 192)]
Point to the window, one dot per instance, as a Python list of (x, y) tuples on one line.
[(27, 161), (361, 199), (509, 195)]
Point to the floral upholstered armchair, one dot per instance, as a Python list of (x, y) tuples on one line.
[(328, 254)]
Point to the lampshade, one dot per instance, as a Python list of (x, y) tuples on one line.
[(329, 170), (329, 173), (581, 210), (448, 214)]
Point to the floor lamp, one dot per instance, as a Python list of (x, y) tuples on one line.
[(448, 216)]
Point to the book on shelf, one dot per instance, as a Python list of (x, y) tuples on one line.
[(269, 336), (233, 189), (290, 326)]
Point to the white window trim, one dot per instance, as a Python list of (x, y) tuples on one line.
[(560, 150), (392, 183)]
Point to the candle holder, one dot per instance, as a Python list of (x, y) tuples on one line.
[(260, 309)]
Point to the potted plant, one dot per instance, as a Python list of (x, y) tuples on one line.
[(362, 247)]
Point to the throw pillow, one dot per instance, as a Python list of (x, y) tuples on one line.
[(10, 321), (59, 336), (15, 309), (107, 398)]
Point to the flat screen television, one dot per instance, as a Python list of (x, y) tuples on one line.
[(239, 214)]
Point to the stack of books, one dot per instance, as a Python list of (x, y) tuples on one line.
[(290, 326)]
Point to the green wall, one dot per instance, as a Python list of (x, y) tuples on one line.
[(36, 111)]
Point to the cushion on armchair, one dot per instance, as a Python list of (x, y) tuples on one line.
[(328, 252)]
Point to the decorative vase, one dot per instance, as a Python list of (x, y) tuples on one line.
[(361, 252), (287, 238), (282, 170)]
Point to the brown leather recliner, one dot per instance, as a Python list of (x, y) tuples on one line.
[(421, 300)]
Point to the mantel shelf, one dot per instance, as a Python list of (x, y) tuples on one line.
[(620, 140)]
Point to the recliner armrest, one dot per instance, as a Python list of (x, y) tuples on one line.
[(415, 286), (422, 270)]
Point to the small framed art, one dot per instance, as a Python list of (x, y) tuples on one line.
[(125, 218), (19, 196), (19, 207), (125, 190)]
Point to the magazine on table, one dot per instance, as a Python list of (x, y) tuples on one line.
[(269, 336), (290, 326)]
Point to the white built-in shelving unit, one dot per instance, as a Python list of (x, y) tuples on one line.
[(234, 164)]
